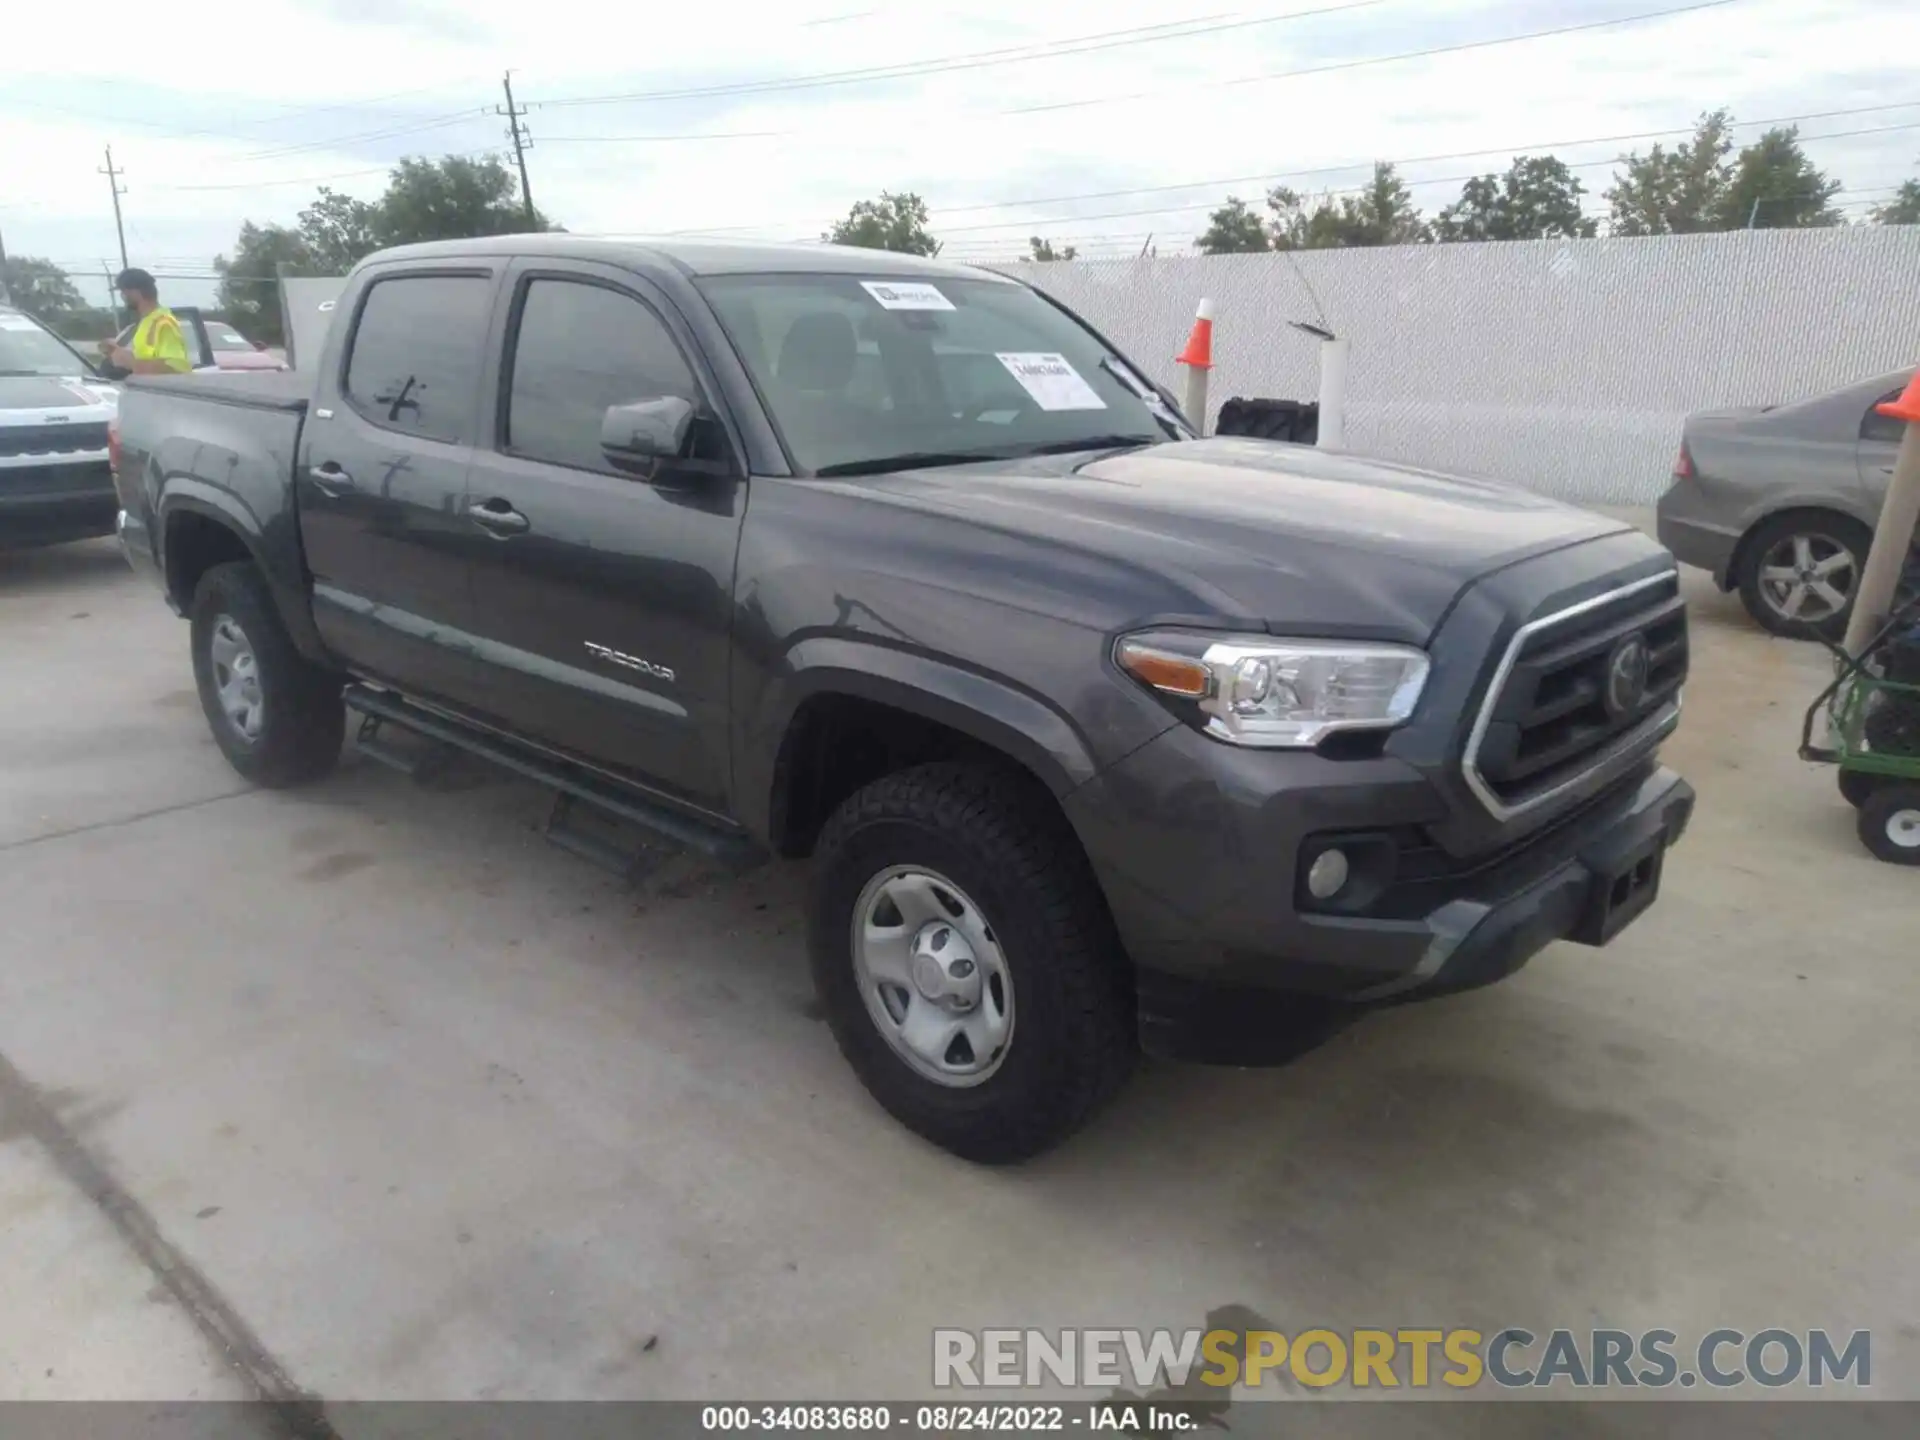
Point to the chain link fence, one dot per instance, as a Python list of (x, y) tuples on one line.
[(1563, 366)]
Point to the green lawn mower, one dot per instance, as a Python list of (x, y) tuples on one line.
[(1873, 733)]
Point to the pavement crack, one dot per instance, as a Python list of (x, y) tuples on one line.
[(120, 820), (296, 1413)]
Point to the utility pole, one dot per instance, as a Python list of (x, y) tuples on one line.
[(113, 184), (5, 298), (522, 142)]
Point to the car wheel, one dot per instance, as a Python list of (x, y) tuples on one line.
[(1890, 824), (277, 717), (1800, 570), (966, 961)]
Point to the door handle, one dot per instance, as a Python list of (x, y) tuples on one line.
[(498, 518), (330, 480)]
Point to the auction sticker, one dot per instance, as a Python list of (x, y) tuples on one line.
[(906, 295), (1051, 381)]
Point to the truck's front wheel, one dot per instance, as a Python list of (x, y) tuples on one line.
[(276, 716), (966, 960)]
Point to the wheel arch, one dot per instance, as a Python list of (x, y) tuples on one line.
[(910, 708), (202, 526)]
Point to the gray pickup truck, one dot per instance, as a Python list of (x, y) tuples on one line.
[(1099, 735)]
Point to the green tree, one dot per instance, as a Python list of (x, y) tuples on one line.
[(1903, 209), (339, 231), (1677, 191), (1233, 229), (1774, 186), (893, 222), (42, 289), (1298, 224), (1537, 199), (1047, 250), (453, 198), (1383, 213), (249, 289)]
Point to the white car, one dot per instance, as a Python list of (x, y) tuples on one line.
[(55, 480)]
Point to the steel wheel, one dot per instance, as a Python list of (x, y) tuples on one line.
[(236, 678), (933, 976), (1808, 578)]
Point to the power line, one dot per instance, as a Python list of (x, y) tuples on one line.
[(723, 231), (1535, 146), (978, 59), (438, 122), (317, 179), (1385, 59), (1345, 190)]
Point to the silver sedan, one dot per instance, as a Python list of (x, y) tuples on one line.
[(1780, 501)]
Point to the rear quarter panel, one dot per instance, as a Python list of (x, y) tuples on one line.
[(1800, 457), (192, 446)]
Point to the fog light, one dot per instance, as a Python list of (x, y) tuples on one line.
[(1327, 874)]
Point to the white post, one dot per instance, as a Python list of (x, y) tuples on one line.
[(1198, 360), (1879, 582), (1333, 394)]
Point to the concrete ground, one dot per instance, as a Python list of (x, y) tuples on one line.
[(368, 1091)]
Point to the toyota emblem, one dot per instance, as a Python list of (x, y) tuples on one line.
[(1627, 670)]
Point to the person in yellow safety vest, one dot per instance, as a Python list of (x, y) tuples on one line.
[(158, 346)]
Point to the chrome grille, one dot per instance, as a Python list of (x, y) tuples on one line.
[(1577, 692), (52, 439)]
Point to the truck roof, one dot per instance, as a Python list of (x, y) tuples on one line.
[(698, 257)]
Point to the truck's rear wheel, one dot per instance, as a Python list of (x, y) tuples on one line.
[(966, 960), (276, 716)]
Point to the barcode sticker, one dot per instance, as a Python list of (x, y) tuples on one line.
[(906, 295)]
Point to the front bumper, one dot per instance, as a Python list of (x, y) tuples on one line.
[(50, 504), (1233, 966)]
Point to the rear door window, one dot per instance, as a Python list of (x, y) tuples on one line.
[(417, 353)]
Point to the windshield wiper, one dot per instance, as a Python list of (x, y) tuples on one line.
[(913, 460), (1092, 442), (1164, 415)]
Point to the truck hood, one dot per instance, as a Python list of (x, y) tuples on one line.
[(1258, 532)]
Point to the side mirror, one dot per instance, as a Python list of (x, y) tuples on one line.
[(642, 436)]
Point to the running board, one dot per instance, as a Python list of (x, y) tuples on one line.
[(574, 783)]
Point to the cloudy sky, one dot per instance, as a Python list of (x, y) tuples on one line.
[(1097, 124)]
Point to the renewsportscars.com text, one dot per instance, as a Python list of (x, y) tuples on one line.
[(1409, 1358)]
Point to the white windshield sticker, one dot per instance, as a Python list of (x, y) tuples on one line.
[(906, 295), (1051, 381), (16, 322)]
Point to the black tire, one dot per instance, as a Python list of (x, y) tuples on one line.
[(1000, 838), (302, 719), (1890, 823), (1823, 526), (1857, 786)]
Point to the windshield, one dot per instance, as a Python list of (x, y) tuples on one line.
[(860, 372), (28, 349), (223, 337)]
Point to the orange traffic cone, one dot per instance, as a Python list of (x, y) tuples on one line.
[(1199, 351), (1906, 408)]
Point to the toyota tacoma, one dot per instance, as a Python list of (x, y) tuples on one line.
[(1101, 736)]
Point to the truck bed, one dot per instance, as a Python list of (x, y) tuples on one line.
[(258, 389)]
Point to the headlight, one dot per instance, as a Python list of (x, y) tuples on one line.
[(1268, 692)]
